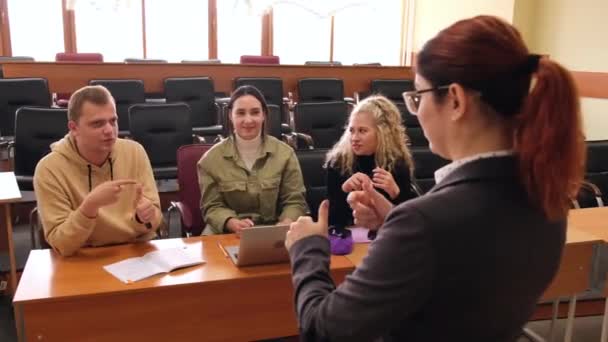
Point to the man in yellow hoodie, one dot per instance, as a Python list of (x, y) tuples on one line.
[(94, 189)]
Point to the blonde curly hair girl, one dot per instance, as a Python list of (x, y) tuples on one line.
[(391, 136)]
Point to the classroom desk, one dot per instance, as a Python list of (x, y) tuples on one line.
[(9, 193), (590, 220), (67, 77), (594, 221), (75, 299), (573, 274)]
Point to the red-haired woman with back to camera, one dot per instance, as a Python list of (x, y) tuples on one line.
[(468, 260)]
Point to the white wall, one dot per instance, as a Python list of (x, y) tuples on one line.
[(435, 15), (575, 33)]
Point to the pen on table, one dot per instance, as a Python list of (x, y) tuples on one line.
[(223, 249)]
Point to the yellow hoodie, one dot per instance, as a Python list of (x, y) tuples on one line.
[(63, 179)]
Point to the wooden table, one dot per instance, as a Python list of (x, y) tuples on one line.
[(75, 299), (590, 220), (9, 193), (594, 221)]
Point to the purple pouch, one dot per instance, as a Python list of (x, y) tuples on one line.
[(340, 241)]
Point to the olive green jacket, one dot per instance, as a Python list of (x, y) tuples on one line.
[(272, 191)]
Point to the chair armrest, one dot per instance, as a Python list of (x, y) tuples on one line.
[(306, 138), (416, 188), (596, 192), (219, 112), (349, 100), (197, 139), (185, 216)]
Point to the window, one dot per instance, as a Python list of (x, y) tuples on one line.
[(177, 30), (112, 28), (36, 28), (300, 33), (239, 31), (368, 33)]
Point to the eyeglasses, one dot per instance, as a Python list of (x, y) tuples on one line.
[(412, 98)]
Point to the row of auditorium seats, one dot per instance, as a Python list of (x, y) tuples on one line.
[(317, 120)]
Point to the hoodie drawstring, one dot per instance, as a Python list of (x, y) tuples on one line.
[(111, 169), (91, 172), (90, 179)]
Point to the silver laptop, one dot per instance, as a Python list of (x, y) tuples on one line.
[(260, 245)]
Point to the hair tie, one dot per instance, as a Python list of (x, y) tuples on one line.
[(530, 66)]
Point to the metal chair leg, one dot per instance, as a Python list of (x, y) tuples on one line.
[(604, 336), (553, 319), (570, 320)]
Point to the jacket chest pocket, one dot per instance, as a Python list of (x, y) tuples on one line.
[(236, 196), (269, 195)]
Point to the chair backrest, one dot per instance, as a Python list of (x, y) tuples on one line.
[(247, 59), (323, 121), (20, 92), (597, 165), (320, 89), (273, 122), (198, 93), (393, 89), (161, 129), (271, 87), (187, 178), (35, 130), (425, 165), (323, 63), (78, 57), (202, 61), (16, 59), (315, 178), (144, 60), (126, 93)]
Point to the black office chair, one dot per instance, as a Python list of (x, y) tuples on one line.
[(35, 130), (320, 123), (199, 94), (393, 90), (126, 93), (161, 129), (315, 179), (16, 93), (320, 90), (425, 165), (597, 166)]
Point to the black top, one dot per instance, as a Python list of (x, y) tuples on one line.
[(340, 213), (465, 262)]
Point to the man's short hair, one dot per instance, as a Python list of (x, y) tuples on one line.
[(97, 95)]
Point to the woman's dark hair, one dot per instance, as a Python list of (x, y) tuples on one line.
[(488, 55), (243, 91)]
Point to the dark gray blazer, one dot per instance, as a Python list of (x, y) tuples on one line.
[(465, 262)]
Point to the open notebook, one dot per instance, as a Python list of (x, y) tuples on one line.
[(162, 261)]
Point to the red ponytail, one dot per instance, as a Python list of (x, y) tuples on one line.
[(550, 141)]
